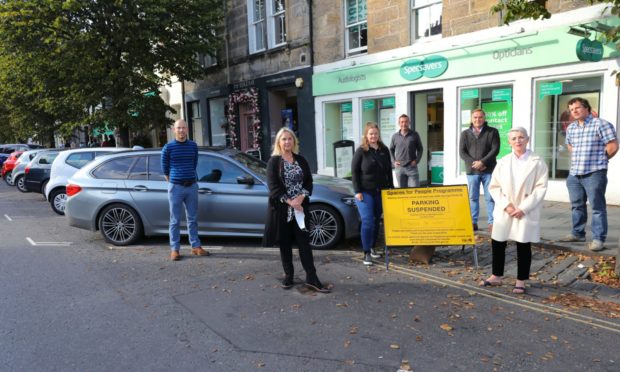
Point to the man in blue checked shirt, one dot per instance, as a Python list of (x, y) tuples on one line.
[(179, 159), (592, 142)]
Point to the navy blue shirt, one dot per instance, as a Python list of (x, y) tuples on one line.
[(179, 160)]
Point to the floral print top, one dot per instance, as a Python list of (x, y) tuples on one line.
[(293, 181)]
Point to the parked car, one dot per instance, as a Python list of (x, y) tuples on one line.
[(37, 172), (8, 165), (7, 149), (124, 195), (17, 178), (64, 166)]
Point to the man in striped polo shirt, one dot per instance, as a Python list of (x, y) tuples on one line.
[(179, 159), (592, 142)]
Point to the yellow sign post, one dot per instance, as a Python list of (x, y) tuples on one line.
[(427, 216)]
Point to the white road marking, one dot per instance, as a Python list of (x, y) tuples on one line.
[(49, 244), (7, 217)]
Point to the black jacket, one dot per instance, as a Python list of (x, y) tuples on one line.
[(277, 211), (372, 169), (485, 148)]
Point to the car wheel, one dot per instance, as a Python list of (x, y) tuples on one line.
[(58, 198), (8, 178), (120, 224), (326, 226), (20, 182)]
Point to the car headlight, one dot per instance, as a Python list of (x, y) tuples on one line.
[(349, 200)]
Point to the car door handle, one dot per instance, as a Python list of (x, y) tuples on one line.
[(205, 191), (140, 188)]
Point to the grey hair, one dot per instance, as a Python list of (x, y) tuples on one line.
[(519, 129)]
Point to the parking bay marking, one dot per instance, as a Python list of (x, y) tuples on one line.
[(48, 244), (541, 308), (7, 217)]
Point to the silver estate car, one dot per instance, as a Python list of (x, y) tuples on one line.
[(124, 196)]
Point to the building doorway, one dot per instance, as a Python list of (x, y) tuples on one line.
[(428, 120)]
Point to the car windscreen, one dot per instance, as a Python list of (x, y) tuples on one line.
[(117, 168), (79, 159), (255, 165)]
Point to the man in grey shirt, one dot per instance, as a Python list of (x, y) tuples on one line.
[(406, 150)]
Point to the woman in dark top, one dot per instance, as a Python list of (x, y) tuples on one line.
[(372, 171), (290, 185)]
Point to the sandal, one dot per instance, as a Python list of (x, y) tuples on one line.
[(518, 290), (487, 283)]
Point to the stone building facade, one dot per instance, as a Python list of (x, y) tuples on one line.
[(438, 60), (259, 80)]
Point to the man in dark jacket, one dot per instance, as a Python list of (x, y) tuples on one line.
[(479, 146)]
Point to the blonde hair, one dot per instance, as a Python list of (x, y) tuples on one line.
[(277, 150), (364, 143)]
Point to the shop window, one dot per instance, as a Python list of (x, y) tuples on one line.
[(552, 117), (380, 111), (356, 27), (425, 19), (338, 127), (496, 101), (218, 121)]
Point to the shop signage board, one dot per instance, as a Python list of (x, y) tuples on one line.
[(427, 216), (430, 67), (550, 89), (589, 50), (535, 50), (368, 104), (501, 94), (499, 116), (469, 94), (388, 102)]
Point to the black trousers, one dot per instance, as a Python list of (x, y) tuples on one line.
[(524, 259), (291, 233)]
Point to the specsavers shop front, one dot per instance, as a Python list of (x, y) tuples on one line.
[(520, 75)]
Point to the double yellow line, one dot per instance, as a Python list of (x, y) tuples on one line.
[(501, 297)]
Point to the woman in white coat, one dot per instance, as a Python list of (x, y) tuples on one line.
[(518, 187)]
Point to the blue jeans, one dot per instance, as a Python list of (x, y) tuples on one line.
[(370, 209), (408, 176), (590, 187), (179, 196), (473, 187)]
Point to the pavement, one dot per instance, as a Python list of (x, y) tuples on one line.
[(556, 224)]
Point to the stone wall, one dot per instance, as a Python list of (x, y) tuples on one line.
[(328, 31), (388, 24), (244, 66)]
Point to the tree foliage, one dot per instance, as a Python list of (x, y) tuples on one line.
[(513, 10), (66, 63)]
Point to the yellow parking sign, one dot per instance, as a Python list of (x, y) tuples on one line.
[(427, 216)]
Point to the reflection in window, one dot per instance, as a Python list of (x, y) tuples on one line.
[(552, 118), (218, 121), (155, 171), (338, 127), (79, 159), (425, 19), (217, 170), (117, 168), (138, 171), (356, 27)]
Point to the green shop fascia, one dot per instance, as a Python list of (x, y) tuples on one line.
[(518, 52)]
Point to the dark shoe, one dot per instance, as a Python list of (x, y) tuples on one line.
[(316, 285), (198, 251), (475, 227), (287, 282), (518, 290), (367, 259), (570, 238), (175, 256), (374, 254)]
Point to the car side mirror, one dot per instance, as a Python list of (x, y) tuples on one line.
[(245, 180)]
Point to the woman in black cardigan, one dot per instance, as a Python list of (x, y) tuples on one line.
[(372, 171), (290, 186)]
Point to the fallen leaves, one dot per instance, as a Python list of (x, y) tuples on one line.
[(571, 300), (446, 327), (394, 346)]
